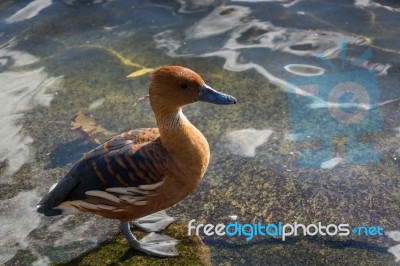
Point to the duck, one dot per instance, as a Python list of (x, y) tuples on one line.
[(142, 172)]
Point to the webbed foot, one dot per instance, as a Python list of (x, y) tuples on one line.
[(153, 244), (155, 222)]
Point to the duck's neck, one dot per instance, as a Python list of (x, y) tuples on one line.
[(184, 142)]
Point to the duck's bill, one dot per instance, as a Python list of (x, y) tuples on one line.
[(209, 95)]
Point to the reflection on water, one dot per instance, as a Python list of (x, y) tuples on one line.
[(217, 22), (249, 36), (244, 142), (20, 91), (18, 218), (285, 3), (395, 250), (332, 163), (60, 58), (31, 10), (374, 4), (304, 70)]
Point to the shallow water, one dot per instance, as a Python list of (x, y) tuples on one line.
[(61, 57)]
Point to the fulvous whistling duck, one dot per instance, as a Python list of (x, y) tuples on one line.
[(143, 171)]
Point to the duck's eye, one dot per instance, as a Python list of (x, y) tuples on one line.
[(184, 86)]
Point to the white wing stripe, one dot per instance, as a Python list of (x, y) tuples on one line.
[(151, 186), (131, 195), (106, 207), (119, 190)]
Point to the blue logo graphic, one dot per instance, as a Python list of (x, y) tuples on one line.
[(343, 104)]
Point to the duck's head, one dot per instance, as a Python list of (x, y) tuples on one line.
[(174, 86)]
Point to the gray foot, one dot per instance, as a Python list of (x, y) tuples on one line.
[(154, 222), (158, 245), (152, 244)]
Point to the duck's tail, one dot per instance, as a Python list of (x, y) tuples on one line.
[(57, 194), (43, 208)]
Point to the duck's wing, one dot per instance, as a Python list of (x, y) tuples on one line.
[(123, 169)]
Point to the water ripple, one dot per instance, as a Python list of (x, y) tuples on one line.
[(21, 90)]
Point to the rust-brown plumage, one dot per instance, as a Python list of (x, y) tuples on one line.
[(146, 170)]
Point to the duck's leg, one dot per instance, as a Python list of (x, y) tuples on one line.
[(152, 244), (154, 222)]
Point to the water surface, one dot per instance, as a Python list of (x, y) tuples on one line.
[(61, 57)]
